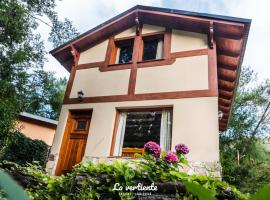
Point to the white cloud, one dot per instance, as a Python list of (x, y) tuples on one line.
[(88, 14)]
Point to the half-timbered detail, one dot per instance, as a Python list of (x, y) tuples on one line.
[(149, 74)]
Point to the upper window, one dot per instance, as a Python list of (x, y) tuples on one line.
[(135, 128), (152, 47), (122, 52)]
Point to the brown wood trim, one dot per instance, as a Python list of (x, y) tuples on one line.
[(124, 38), (155, 63), (90, 65), (225, 94), (226, 74), (110, 50), (114, 132), (226, 85), (116, 67), (233, 30), (135, 57), (153, 34), (182, 54), (167, 43), (141, 97), (70, 82), (145, 108), (76, 57), (63, 147), (224, 102), (132, 81), (212, 68)]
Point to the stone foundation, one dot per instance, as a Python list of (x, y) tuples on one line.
[(212, 169)]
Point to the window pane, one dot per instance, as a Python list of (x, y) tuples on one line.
[(125, 55), (150, 49), (81, 125), (142, 127)]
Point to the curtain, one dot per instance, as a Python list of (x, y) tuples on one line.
[(159, 54), (120, 134), (165, 130)]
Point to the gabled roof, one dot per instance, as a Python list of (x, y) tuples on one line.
[(24, 116), (230, 34)]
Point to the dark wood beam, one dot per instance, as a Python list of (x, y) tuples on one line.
[(224, 102), (226, 85), (226, 74)]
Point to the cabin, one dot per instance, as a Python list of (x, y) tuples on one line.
[(148, 74), (37, 127)]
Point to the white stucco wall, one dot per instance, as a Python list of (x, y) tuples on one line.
[(195, 123), (186, 41), (127, 33), (94, 54), (95, 83), (147, 28), (195, 120), (189, 73)]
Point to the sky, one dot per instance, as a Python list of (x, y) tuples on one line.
[(86, 14)]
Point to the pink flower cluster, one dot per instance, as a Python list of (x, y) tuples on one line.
[(170, 157), (153, 149), (181, 149)]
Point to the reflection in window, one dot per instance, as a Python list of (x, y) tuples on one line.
[(142, 127), (122, 52), (125, 54), (152, 49)]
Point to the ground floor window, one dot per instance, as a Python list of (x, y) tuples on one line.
[(135, 128)]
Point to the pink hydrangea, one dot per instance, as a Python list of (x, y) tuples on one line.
[(170, 157), (153, 149), (182, 149)]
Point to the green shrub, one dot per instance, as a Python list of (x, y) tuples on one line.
[(21, 150), (97, 181)]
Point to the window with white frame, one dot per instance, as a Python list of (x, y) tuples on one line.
[(135, 128)]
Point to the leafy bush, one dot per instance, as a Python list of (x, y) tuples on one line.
[(97, 181), (22, 150)]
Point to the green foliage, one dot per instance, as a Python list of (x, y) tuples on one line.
[(262, 194), (45, 95), (243, 140), (96, 181), (199, 191), (23, 82), (24, 85), (9, 189), (22, 150)]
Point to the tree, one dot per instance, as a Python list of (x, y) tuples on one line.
[(46, 95), (24, 85), (22, 56), (244, 159)]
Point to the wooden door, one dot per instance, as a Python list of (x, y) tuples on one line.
[(74, 141)]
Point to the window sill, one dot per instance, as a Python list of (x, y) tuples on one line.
[(124, 157), (152, 60), (119, 64), (112, 67)]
